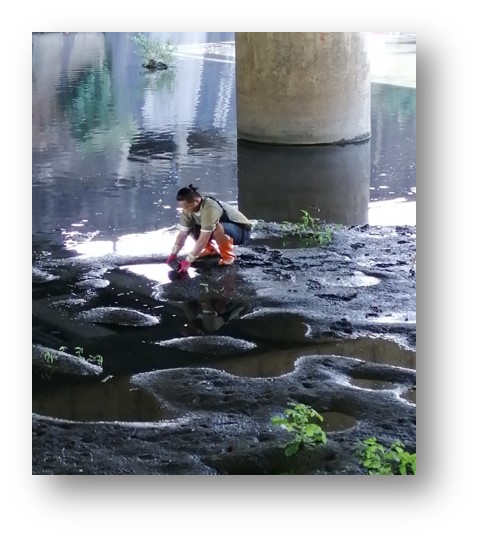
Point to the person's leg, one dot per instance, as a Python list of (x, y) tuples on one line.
[(210, 248), (227, 235), (237, 233)]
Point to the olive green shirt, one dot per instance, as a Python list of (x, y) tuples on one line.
[(210, 214)]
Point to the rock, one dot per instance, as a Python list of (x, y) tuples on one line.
[(155, 65), (120, 316)]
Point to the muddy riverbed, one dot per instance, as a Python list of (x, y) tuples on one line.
[(165, 376)]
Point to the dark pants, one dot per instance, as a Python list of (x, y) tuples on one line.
[(235, 231)]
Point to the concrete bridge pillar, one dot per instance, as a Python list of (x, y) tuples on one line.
[(303, 87)]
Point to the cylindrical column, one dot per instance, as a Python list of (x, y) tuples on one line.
[(303, 87), (329, 182)]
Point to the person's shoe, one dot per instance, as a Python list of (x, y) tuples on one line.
[(210, 249), (227, 255)]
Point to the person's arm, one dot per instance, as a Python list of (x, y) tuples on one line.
[(178, 245), (210, 214), (198, 247), (200, 244)]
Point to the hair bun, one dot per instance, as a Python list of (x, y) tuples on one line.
[(192, 187)]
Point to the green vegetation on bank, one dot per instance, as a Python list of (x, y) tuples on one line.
[(307, 433), (384, 461), (309, 228), (305, 422), (49, 357)]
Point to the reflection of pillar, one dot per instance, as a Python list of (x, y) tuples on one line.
[(302, 87), (330, 182)]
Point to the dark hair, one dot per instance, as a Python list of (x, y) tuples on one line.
[(188, 193)]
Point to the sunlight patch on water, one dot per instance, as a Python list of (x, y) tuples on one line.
[(392, 212), (162, 273), (154, 242)]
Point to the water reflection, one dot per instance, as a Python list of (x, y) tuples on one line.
[(111, 140), (281, 362), (111, 146), (160, 273), (114, 400), (372, 384), (393, 155), (108, 143), (210, 314), (330, 182), (336, 421)]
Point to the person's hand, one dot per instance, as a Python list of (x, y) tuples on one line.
[(171, 258), (183, 266)]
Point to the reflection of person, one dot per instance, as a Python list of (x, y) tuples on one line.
[(211, 314), (215, 226)]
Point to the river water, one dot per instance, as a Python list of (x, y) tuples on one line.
[(112, 143)]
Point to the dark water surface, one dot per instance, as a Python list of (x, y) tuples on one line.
[(116, 398), (111, 146)]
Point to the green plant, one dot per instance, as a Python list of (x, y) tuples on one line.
[(307, 221), (384, 461), (154, 49), (309, 227), (93, 359), (298, 419), (48, 357), (97, 359)]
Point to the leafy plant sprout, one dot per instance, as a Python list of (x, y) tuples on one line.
[(93, 359), (379, 460), (307, 434), (97, 359), (304, 421), (310, 227), (48, 357)]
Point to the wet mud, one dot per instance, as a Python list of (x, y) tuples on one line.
[(137, 370)]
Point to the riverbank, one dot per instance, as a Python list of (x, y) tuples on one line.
[(330, 327)]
